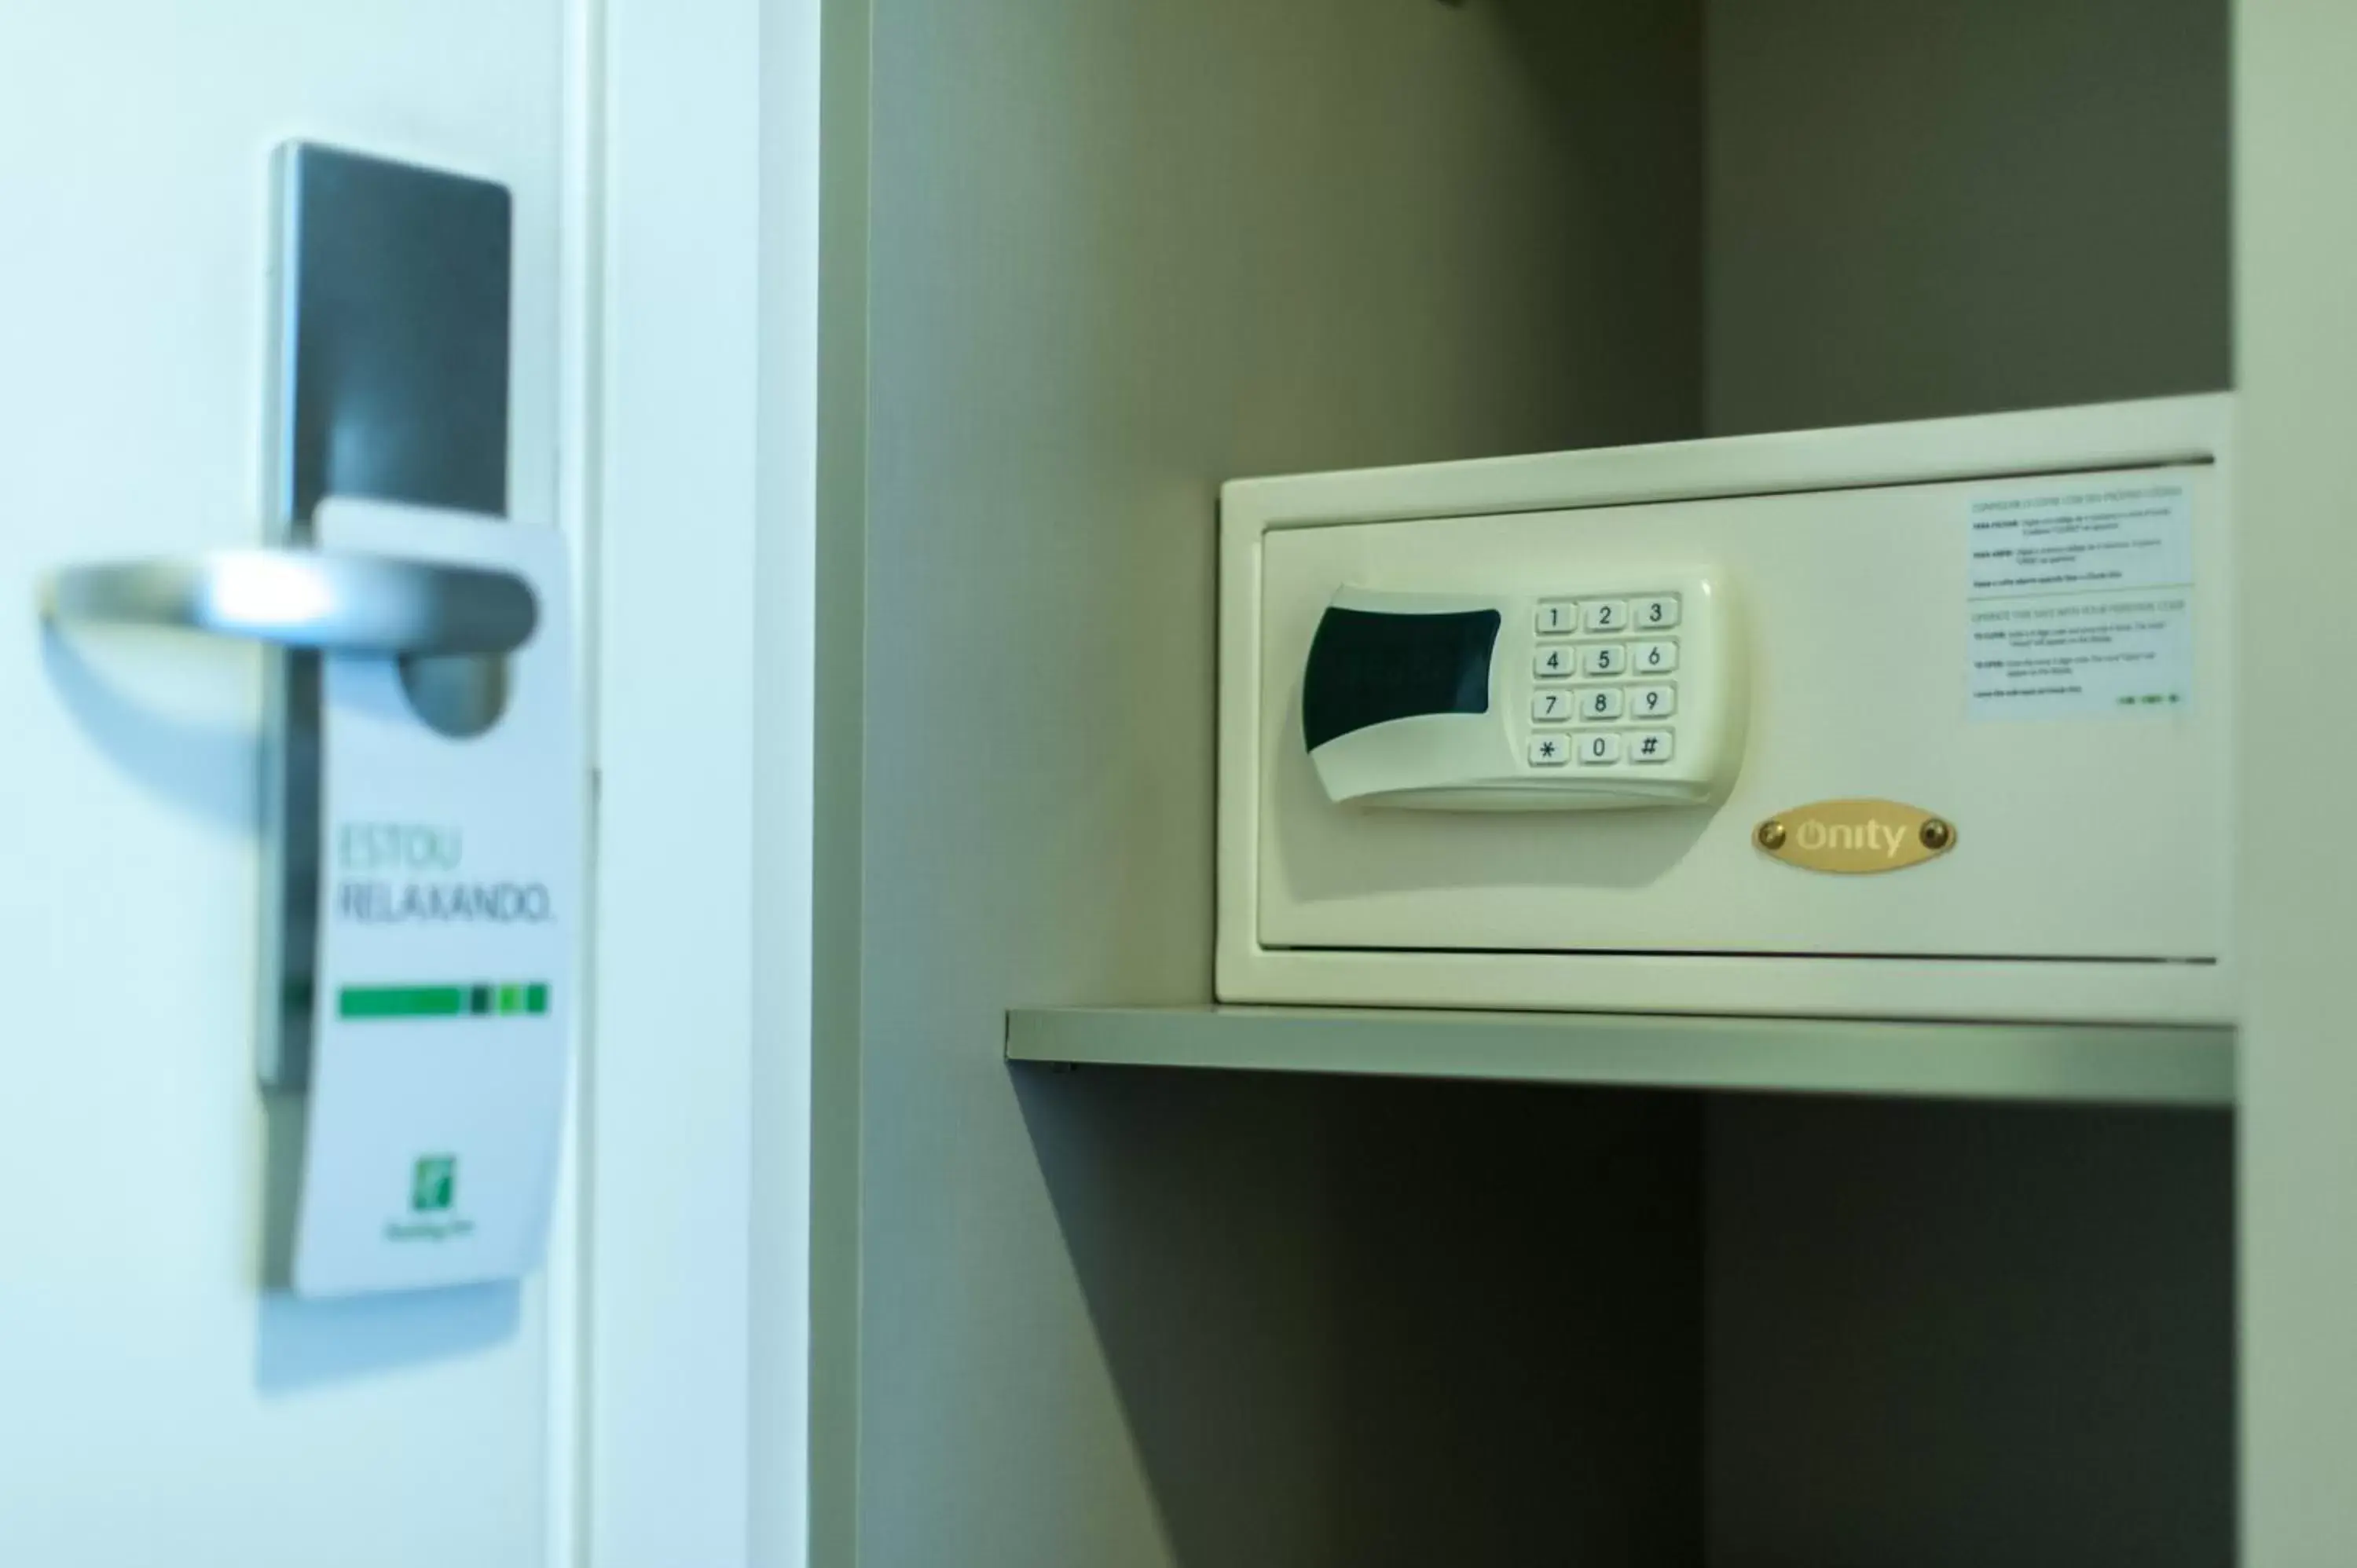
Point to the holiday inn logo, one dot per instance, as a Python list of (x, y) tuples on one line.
[(433, 1195), (434, 1184)]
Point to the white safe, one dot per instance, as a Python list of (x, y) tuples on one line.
[(1911, 721)]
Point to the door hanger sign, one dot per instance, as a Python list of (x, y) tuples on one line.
[(449, 909)]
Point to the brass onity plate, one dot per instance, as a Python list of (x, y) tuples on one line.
[(1855, 838)]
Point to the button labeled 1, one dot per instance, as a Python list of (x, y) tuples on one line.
[(1559, 618)]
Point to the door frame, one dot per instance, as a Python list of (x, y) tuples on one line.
[(662, 1408)]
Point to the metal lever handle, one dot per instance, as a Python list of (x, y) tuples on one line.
[(326, 600)]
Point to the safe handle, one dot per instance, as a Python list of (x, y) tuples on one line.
[(330, 601)]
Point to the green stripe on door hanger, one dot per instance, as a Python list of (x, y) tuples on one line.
[(478, 1000)]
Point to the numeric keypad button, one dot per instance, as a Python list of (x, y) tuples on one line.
[(1606, 614), (1654, 658), (1558, 618), (1550, 750), (1605, 658), (1658, 613), (1600, 750), (1551, 708), (1553, 663), (1601, 705), (1652, 702), (1651, 745)]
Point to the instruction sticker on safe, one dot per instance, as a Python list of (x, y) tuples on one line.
[(2080, 601)]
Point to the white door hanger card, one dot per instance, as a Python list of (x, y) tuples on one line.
[(448, 919)]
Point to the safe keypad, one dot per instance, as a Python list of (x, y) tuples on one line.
[(1602, 670)]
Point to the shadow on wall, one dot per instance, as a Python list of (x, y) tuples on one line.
[(1948, 1335), (177, 714), (300, 1345), (1375, 1322)]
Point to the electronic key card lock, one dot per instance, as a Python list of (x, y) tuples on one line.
[(1596, 695), (421, 814)]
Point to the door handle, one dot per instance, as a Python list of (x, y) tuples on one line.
[(327, 601)]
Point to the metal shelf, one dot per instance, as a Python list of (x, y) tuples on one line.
[(2076, 1064)]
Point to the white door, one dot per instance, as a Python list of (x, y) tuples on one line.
[(155, 1405)]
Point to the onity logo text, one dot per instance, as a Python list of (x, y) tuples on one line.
[(1856, 837)]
